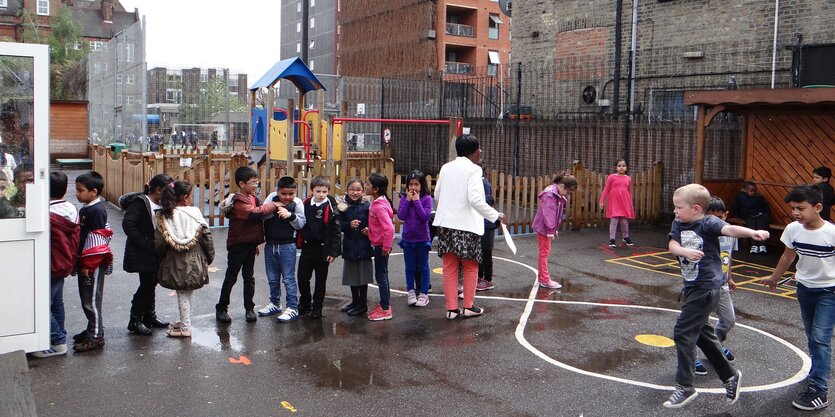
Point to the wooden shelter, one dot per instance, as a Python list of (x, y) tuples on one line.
[(786, 134)]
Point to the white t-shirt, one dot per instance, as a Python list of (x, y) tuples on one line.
[(816, 248)]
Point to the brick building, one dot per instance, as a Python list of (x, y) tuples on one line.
[(681, 44)]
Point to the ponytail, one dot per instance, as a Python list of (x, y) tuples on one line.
[(172, 194), (566, 179), (158, 181)]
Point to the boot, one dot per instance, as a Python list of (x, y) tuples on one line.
[(135, 325), (150, 320), (361, 306)]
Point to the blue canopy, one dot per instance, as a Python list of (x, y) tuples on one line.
[(294, 70)]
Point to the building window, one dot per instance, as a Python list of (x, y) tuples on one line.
[(119, 78), (493, 63), (233, 81), (298, 27), (311, 65), (299, 7), (129, 79), (312, 3), (493, 26), (173, 96), (129, 100), (95, 45), (312, 43), (668, 106), (298, 47), (128, 52), (312, 22), (204, 78), (4, 3), (43, 7), (76, 45)]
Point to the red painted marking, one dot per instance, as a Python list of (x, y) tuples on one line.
[(243, 360)]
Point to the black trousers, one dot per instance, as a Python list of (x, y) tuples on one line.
[(91, 290), (485, 268), (312, 259), (692, 330), (241, 258), (143, 305)]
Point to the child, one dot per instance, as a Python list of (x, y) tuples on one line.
[(280, 250), (357, 269), (414, 209), (619, 208), (63, 227), (546, 223), (821, 177), (753, 210), (95, 259), (694, 239), (185, 248), (139, 224), (814, 240), (246, 232), (381, 234), (725, 306), (488, 239), (320, 242)]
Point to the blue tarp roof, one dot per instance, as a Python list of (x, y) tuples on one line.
[(294, 70)]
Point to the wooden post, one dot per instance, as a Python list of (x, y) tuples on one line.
[(700, 146), (453, 134), (15, 386)]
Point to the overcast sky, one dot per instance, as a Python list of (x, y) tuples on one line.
[(241, 35)]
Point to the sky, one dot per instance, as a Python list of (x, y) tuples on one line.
[(241, 35)]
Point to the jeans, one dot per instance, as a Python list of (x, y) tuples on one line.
[(57, 333), (485, 268), (817, 308), (240, 257), (693, 329), (416, 260), (381, 275), (280, 261)]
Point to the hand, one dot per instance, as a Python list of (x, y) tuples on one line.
[(551, 237), (355, 224), (386, 252), (692, 255), (257, 250), (414, 195), (760, 235), (365, 231), (731, 284), (283, 213), (330, 259), (501, 217), (84, 273), (771, 282)]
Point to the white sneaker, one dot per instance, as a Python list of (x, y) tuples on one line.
[(422, 300), (763, 249), (269, 310), (755, 249), (410, 298), (54, 350), (289, 314)]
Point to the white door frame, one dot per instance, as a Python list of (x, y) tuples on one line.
[(34, 229)]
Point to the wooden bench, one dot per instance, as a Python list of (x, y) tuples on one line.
[(80, 163)]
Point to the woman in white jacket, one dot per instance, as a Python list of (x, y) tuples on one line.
[(460, 215)]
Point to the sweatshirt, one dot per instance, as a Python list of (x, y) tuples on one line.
[(415, 217), (380, 226)]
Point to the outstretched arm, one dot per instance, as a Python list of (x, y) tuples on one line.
[(781, 268)]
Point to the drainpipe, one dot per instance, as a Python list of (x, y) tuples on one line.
[(774, 47), (632, 54)]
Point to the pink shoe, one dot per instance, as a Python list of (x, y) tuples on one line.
[(484, 285), (550, 284), (378, 314)]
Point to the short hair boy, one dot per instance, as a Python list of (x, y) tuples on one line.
[(280, 250), (95, 259), (694, 239), (246, 232), (751, 208), (320, 241), (821, 177), (64, 232), (813, 240)]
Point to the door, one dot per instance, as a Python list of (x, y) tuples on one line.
[(24, 197)]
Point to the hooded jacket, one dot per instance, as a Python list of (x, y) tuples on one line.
[(138, 225), (246, 220), (184, 245), (355, 245), (549, 215)]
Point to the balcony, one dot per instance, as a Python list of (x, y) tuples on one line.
[(458, 68), (460, 30)]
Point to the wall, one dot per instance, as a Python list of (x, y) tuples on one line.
[(68, 129)]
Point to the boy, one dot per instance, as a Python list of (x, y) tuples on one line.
[(751, 209), (64, 232), (694, 239), (320, 241), (725, 307), (95, 259), (280, 250), (821, 176), (246, 232), (814, 240), (485, 268)]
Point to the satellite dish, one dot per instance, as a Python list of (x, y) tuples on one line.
[(506, 6)]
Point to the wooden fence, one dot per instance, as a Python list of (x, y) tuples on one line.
[(516, 197)]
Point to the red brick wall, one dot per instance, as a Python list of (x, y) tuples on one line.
[(68, 129), (581, 54)]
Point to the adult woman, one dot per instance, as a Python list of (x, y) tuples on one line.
[(460, 215)]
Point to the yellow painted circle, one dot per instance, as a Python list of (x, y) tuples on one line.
[(655, 340), (439, 271)]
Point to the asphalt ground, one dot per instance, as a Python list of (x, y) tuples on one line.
[(535, 352)]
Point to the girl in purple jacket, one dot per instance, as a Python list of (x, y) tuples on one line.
[(414, 209), (546, 224)]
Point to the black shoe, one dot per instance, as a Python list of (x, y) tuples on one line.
[(303, 311), (222, 316), (811, 400), (728, 355), (136, 326), (473, 312), (628, 241), (347, 307), (91, 343), (251, 316), (700, 369), (154, 323), (358, 310), (612, 243), (732, 387), (80, 336), (316, 314)]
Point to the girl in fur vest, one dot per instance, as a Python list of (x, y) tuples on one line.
[(184, 245)]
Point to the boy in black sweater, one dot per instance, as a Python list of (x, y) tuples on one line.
[(320, 241)]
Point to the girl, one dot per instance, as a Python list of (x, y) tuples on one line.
[(139, 224), (414, 209), (184, 244), (357, 269), (619, 207), (381, 235), (546, 223)]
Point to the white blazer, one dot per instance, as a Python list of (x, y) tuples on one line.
[(460, 195)]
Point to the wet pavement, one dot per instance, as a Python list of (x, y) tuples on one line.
[(535, 352)]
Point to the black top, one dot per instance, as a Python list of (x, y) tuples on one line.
[(91, 217), (139, 229), (355, 246), (828, 199)]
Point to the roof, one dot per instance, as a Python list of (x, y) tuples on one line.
[(92, 25), (293, 70), (762, 98)]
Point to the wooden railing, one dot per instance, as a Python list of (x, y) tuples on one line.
[(516, 197)]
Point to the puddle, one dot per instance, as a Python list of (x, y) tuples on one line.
[(215, 339), (601, 362), (662, 291), (350, 371)]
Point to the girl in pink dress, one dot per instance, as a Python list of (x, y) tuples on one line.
[(619, 208)]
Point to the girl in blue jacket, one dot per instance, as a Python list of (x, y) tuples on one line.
[(413, 210)]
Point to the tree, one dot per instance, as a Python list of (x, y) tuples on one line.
[(68, 76), (214, 97)]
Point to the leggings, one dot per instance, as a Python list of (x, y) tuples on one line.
[(184, 302), (613, 227)]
